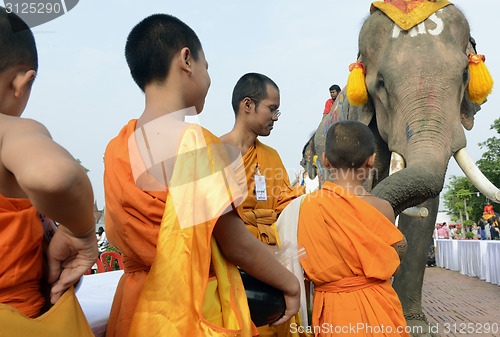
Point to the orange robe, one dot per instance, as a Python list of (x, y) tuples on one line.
[(133, 219), (21, 234), (167, 236), (350, 260), (260, 215)]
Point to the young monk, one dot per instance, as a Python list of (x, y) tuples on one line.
[(255, 101), (170, 203), (36, 175), (350, 240)]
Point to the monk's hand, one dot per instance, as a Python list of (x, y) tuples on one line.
[(292, 301), (69, 257)]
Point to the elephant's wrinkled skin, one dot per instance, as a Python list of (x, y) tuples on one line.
[(418, 103)]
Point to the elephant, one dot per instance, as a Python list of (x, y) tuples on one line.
[(417, 108)]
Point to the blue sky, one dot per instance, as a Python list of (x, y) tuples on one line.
[(84, 93)]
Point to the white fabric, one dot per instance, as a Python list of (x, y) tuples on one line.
[(95, 295), (478, 258), (287, 226)]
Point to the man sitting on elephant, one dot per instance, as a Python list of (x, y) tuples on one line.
[(255, 101)]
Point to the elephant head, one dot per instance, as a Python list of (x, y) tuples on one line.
[(308, 153), (417, 84)]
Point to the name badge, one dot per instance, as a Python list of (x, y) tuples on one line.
[(260, 188)]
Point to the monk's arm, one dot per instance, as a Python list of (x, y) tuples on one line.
[(53, 180), (59, 188), (402, 246), (251, 255)]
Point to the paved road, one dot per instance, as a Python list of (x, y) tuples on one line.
[(460, 305)]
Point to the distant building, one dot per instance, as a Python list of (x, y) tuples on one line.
[(99, 217)]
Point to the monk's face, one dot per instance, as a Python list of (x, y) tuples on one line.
[(265, 112)]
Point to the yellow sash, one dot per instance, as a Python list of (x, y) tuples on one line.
[(65, 318), (178, 299)]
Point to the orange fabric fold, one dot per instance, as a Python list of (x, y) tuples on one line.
[(133, 218), (21, 234), (347, 284), (350, 258), (259, 215)]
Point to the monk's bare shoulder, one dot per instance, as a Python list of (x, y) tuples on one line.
[(383, 206), (18, 127), (18, 134)]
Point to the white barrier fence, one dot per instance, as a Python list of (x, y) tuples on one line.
[(478, 258)]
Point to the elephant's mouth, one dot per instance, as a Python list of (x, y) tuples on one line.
[(468, 167)]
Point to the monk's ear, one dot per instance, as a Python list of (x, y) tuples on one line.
[(325, 161), (246, 104), (21, 84), (185, 60)]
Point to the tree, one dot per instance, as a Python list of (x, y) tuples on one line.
[(489, 163), (80, 162), (460, 188)]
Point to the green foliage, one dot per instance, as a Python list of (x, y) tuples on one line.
[(461, 188), (454, 218), (468, 223), (80, 162), (116, 265), (489, 163), (469, 235)]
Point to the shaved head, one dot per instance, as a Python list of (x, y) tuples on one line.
[(349, 144)]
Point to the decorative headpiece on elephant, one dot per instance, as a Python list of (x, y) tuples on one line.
[(415, 70)]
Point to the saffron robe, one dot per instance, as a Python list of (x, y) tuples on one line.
[(133, 218), (260, 215), (21, 234), (350, 260), (177, 297)]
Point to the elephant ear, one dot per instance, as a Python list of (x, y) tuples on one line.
[(361, 113), (345, 110), (467, 108), (467, 111)]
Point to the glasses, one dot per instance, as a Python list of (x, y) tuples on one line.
[(276, 113)]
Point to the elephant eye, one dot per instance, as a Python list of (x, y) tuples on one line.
[(381, 83), (466, 75)]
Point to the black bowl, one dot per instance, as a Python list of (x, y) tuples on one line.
[(266, 303)]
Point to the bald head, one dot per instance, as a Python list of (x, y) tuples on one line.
[(17, 44), (349, 144)]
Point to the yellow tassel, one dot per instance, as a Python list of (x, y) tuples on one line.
[(480, 82), (356, 87), (315, 158)]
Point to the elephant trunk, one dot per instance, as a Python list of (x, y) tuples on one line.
[(423, 178)]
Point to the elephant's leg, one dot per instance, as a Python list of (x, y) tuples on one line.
[(408, 282)]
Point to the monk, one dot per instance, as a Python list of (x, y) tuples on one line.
[(351, 243), (255, 102), (171, 195), (37, 176)]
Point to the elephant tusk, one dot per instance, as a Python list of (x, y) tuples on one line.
[(476, 177), (397, 164), (416, 212)]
